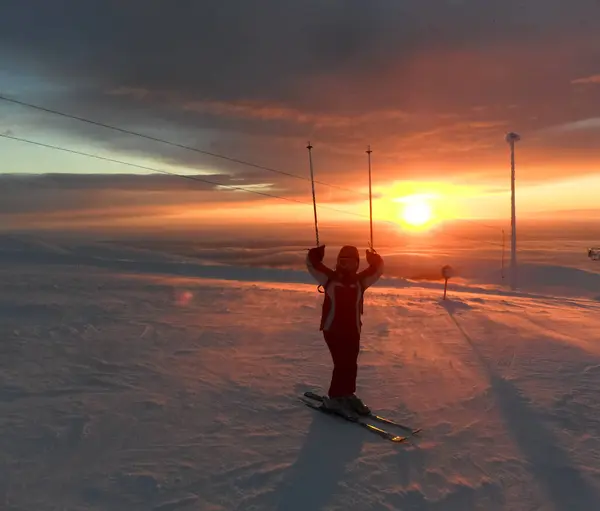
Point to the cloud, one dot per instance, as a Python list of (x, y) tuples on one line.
[(594, 79), (15, 183), (273, 112), (79, 200), (430, 85), (572, 137), (580, 125), (68, 193)]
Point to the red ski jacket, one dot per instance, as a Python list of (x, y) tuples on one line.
[(343, 304)]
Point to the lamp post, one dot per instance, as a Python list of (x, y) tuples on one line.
[(513, 138)]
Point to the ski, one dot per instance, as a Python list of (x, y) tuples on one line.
[(373, 416), (374, 429)]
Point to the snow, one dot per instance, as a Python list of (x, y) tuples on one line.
[(136, 379)]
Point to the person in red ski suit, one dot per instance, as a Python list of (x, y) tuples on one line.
[(341, 318)]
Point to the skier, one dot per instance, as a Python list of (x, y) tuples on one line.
[(341, 319)]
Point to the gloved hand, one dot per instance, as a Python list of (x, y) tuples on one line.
[(317, 254), (373, 258)]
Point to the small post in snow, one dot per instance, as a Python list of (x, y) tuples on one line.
[(446, 273)]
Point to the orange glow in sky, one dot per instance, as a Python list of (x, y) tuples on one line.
[(434, 112)]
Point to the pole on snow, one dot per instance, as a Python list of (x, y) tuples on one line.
[(312, 180), (370, 198), (512, 138)]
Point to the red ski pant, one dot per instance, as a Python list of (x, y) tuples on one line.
[(344, 349)]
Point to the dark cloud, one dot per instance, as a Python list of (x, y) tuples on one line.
[(429, 83), (213, 47), (96, 194), (17, 183)]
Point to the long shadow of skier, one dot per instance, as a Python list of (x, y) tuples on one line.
[(550, 464), (330, 446)]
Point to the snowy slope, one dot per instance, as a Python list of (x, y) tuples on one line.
[(138, 383)]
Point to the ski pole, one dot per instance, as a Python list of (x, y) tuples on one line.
[(370, 199), (312, 179)]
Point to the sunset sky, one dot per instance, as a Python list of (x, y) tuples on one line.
[(433, 86)]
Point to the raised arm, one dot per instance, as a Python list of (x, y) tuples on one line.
[(373, 273), (315, 266)]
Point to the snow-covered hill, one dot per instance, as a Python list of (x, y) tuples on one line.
[(134, 380)]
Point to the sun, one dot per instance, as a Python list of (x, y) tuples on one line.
[(416, 213)]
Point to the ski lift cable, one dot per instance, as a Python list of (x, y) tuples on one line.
[(162, 171), (176, 144)]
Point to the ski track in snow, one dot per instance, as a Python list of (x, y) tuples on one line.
[(130, 391)]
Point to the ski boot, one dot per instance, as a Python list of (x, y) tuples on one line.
[(339, 405), (356, 404)]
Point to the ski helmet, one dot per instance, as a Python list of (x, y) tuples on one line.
[(349, 251)]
